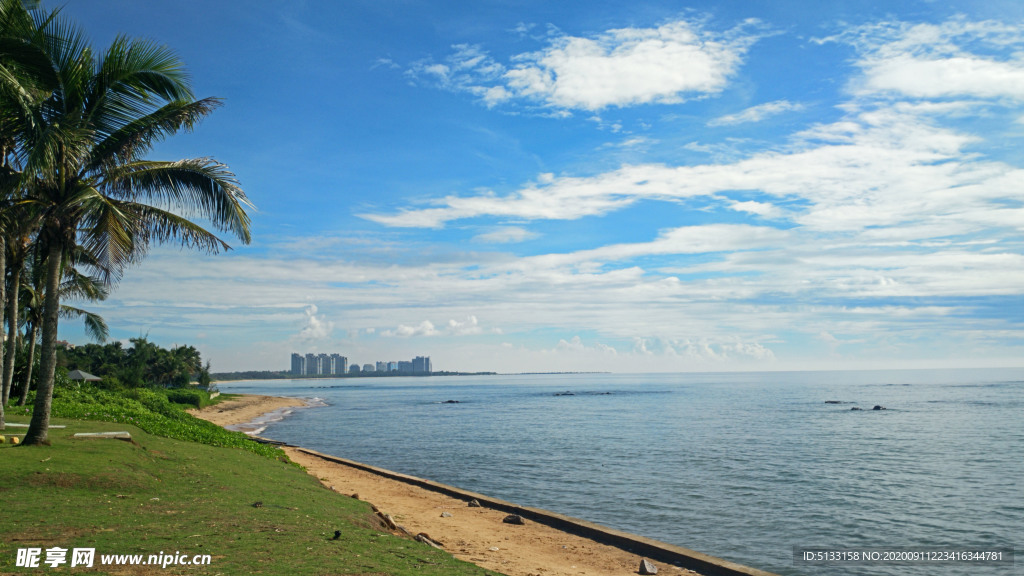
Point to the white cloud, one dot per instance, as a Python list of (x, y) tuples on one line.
[(505, 235), (685, 240), (619, 67), (956, 58), (469, 326), (757, 113), (425, 328), (883, 167), (315, 327)]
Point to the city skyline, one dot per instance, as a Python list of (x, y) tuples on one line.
[(323, 364), (598, 186)]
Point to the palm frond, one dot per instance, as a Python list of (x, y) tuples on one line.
[(132, 77), (198, 186), (137, 136), (82, 286), (95, 326), (108, 233), (160, 226)]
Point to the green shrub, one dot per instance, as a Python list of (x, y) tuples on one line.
[(150, 410), (193, 398)]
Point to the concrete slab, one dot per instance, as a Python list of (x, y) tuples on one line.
[(114, 435)]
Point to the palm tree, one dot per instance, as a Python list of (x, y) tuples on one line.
[(21, 226), (25, 77), (92, 188), (75, 285)]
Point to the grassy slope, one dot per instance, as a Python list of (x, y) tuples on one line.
[(156, 494)]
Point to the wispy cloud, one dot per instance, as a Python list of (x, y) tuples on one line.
[(884, 167), (622, 67), (757, 113), (956, 58), (505, 235)]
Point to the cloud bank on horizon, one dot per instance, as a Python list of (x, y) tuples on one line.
[(699, 192)]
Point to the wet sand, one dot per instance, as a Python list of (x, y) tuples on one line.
[(477, 535)]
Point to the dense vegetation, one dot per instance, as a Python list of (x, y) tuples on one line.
[(144, 364)]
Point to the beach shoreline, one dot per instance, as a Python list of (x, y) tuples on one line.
[(249, 413), (475, 534)]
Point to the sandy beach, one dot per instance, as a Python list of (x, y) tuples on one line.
[(247, 413), (477, 535)]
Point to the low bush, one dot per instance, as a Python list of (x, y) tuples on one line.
[(150, 410), (188, 396)]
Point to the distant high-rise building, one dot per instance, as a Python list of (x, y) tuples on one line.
[(392, 366), (354, 369), (421, 364), (325, 363), (298, 364), (312, 365), (339, 364), (382, 366), (369, 368), (404, 366)]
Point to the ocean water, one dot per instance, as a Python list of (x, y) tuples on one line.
[(743, 466)]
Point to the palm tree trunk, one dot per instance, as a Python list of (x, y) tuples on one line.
[(40, 424), (31, 362), (12, 331), (3, 300)]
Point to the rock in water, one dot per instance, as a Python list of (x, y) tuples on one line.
[(514, 519), (856, 408), (878, 407), (646, 567)]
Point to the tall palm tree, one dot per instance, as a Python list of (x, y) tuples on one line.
[(25, 77), (91, 185)]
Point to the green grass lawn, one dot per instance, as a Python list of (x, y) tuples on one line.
[(156, 494)]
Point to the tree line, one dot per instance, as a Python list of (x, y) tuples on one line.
[(143, 364), (79, 199)]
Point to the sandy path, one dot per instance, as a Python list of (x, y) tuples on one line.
[(477, 535)]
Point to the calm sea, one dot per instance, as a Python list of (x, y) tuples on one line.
[(741, 466)]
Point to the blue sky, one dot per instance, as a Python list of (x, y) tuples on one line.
[(562, 186)]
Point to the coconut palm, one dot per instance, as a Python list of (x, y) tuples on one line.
[(75, 285), (87, 178), (25, 78), (20, 228)]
